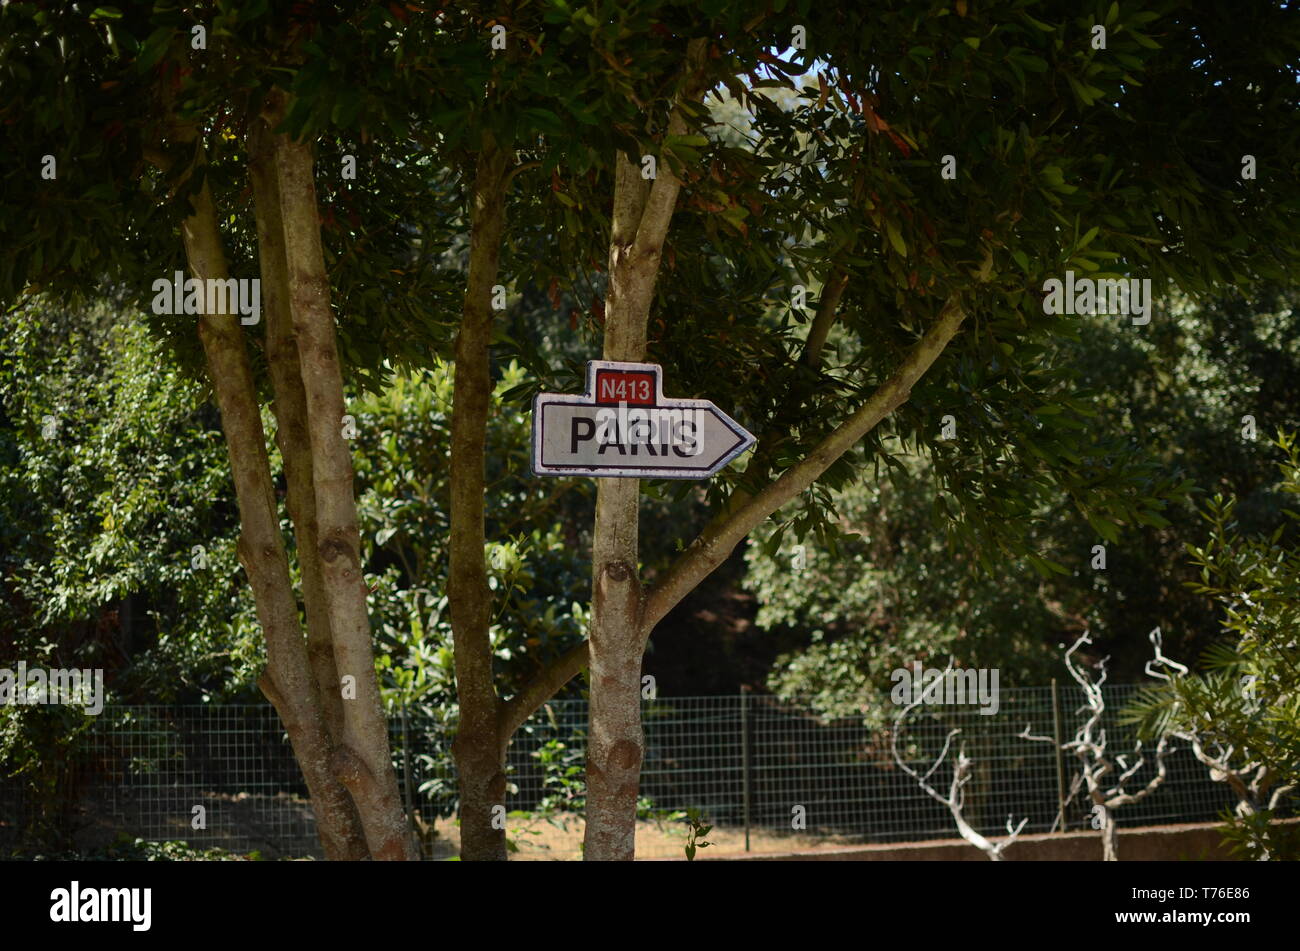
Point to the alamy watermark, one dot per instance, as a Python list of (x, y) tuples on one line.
[(78, 904), (39, 685), (654, 429), (1086, 295), (212, 296), (933, 686)]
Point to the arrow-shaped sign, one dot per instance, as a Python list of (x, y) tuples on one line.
[(625, 426)]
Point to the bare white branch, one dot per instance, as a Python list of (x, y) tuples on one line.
[(1089, 744), (961, 775), (1160, 660)]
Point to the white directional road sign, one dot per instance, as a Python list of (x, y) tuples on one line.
[(625, 426)]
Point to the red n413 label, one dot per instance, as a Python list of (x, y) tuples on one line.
[(632, 387)]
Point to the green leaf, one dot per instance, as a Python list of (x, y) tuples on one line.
[(683, 153), (691, 141), (896, 238), (544, 119), (1031, 63), (101, 192), (346, 110), (1104, 527), (153, 49), (1080, 90)]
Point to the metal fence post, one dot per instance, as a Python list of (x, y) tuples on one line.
[(744, 756), (406, 765), (1060, 765)]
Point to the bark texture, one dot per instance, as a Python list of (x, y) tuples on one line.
[(479, 747), (827, 307), (1109, 836), (287, 682), (362, 760), (295, 448), (615, 741)]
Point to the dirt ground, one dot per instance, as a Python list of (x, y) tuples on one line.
[(560, 839), (279, 827)]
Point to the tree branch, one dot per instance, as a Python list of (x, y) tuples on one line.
[(291, 418), (478, 747), (713, 545), (658, 211), (365, 729), (544, 685), (827, 309), (961, 775), (288, 682)]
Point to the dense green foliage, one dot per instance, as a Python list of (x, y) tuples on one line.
[(536, 568), (104, 520), (1067, 157), (1171, 398), (1247, 700), (117, 539), (822, 169), (117, 536)]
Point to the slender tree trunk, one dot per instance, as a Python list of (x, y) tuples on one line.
[(362, 761), (1109, 837), (479, 748), (287, 682), (290, 407), (615, 741), (295, 444)]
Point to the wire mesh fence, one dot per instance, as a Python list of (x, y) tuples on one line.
[(767, 775)]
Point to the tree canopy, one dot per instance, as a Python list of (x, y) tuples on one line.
[(839, 223)]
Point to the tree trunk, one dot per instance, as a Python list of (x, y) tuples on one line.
[(287, 681), (615, 742), (1109, 836), (362, 760), (295, 444), (479, 748)]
